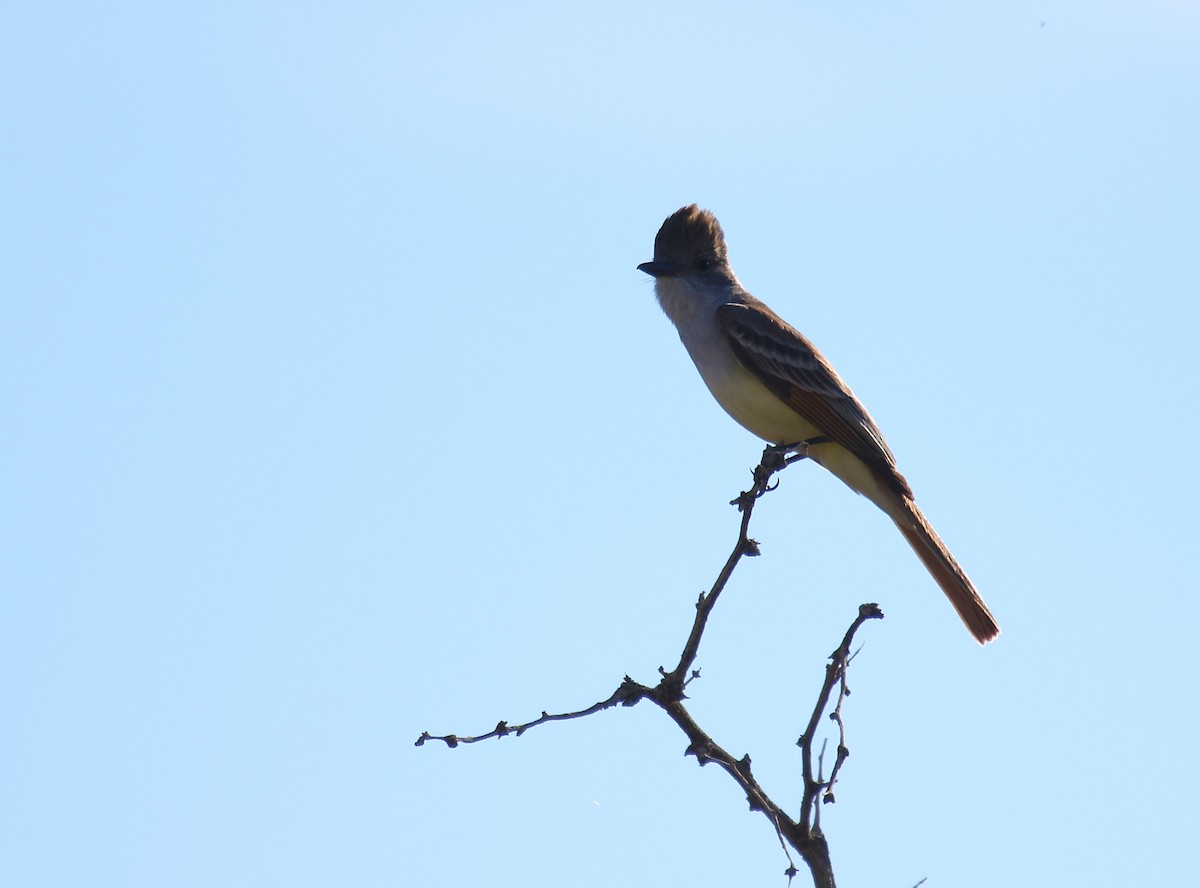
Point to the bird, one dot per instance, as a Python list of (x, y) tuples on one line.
[(774, 382)]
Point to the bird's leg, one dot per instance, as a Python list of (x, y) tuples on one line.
[(799, 450)]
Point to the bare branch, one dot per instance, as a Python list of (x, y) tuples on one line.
[(628, 694), (804, 835), (835, 673), (774, 459)]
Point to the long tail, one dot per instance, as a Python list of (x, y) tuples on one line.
[(953, 580)]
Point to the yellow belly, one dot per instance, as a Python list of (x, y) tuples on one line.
[(758, 409)]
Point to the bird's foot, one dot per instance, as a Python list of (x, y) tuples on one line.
[(793, 452)]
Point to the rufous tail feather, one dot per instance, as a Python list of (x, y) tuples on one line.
[(954, 582)]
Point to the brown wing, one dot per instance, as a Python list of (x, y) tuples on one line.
[(791, 367)]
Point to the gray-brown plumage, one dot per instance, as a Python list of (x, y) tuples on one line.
[(774, 382)]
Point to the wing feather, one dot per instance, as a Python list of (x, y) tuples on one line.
[(791, 367)]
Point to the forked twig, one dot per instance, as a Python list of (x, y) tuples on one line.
[(804, 834)]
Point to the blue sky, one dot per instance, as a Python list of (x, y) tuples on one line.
[(336, 410)]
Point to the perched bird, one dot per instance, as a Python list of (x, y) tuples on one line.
[(774, 382)]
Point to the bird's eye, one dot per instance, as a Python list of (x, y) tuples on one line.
[(703, 264)]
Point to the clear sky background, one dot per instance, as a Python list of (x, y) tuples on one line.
[(335, 410)]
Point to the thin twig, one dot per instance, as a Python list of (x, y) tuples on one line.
[(834, 672), (628, 694), (774, 459)]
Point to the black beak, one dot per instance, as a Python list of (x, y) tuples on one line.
[(657, 269)]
